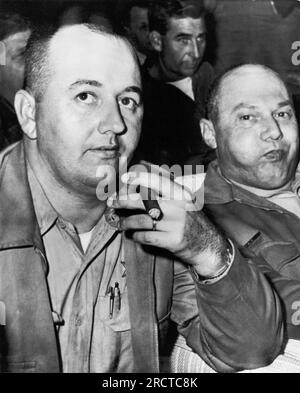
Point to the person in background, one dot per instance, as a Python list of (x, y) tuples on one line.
[(176, 84), (15, 30), (135, 24), (94, 13)]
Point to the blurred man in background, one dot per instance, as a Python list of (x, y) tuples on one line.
[(89, 12), (14, 33), (136, 27)]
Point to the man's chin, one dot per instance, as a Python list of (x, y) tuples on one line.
[(275, 182), (188, 72), (190, 68)]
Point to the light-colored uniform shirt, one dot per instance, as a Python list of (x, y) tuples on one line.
[(93, 328)]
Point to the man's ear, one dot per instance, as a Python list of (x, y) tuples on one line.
[(156, 41), (25, 109), (208, 133)]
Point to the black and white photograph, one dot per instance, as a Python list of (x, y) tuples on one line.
[(149, 189)]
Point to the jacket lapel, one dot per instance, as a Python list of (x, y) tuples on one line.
[(141, 297), (23, 288), (19, 225)]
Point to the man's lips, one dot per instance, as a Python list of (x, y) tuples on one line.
[(192, 63), (109, 151), (275, 155)]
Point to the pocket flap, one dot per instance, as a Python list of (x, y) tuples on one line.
[(283, 257)]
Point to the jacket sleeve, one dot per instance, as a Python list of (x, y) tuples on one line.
[(287, 286), (238, 323)]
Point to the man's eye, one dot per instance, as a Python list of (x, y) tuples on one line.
[(128, 103), (144, 28), (184, 41), (87, 98), (246, 117), (201, 39), (283, 115)]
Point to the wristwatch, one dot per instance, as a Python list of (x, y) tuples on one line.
[(227, 262)]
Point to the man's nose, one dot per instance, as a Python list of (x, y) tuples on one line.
[(195, 49), (272, 130), (111, 119)]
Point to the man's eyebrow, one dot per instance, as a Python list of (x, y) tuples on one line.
[(133, 89), (183, 35), (187, 35), (243, 105), (285, 103), (89, 82), (95, 83)]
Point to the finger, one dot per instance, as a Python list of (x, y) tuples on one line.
[(137, 222), (127, 201), (154, 238), (161, 185), (141, 222)]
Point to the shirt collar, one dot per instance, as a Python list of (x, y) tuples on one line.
[(47, 216), (292, 187), (219, 190)]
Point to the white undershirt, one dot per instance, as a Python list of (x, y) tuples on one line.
[(287, 197), (85, 239), (186, 86)]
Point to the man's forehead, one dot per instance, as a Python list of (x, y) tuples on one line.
[(138, 13), (251, 83), (186, 24), (76, 49), (80, 38)]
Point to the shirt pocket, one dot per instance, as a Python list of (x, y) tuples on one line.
[(114, 313), (284, 257)]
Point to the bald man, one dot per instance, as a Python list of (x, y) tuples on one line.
[(252, 190)]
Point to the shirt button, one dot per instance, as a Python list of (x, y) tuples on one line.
[(62, 225), (78, 321)]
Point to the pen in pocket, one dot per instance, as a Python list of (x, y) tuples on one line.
[(114, 292)]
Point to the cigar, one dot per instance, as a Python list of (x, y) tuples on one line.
[(149, 196), (150, 203)]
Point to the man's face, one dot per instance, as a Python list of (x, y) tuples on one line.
[(139, 29), (90, 115), (183, 46), (12, 73), (257, 135)]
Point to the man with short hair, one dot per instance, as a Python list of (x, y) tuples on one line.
[(136, 26), (80, 295), (14, 33), (252, 189), (176, 84)]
